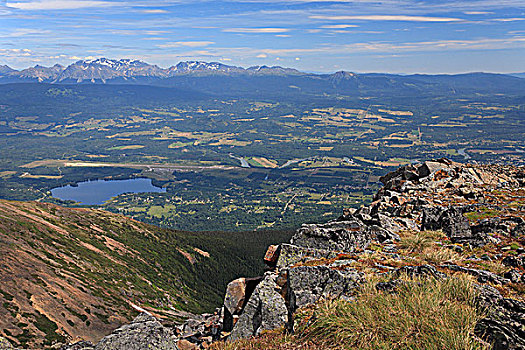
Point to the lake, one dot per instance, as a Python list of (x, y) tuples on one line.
[(99, 191)]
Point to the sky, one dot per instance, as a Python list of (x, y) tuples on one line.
[(395, 36)]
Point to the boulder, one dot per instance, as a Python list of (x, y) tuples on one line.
[(265, 310), (431, 167), (431, 218), (145, 332), (518, 231), (342, 236), (514, 261), (183, 344), (504, 325), (235, 293), (271, 256), (389, 224), (382, 235), (455, 225), (308, 284), (81, 345)]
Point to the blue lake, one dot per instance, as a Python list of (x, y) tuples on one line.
[(99, 191)]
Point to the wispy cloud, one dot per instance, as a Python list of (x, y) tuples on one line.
[(256, 30), (388, 18), (21, 32), (154, 11), (185, 44), (339, 26), (478, 13), (509, 19), (15, 52), (61, 4)]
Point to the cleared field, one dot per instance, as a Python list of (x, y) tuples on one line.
[(266, 163), (125, 147)]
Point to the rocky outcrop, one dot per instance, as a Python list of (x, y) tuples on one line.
[(438, 195), (504, 326), (308, 284), (343, 236), (265, 310), (329, 260), (145, 332)]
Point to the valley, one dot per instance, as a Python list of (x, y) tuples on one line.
[(271, 161)]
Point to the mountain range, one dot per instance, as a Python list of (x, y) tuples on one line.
[(213, 77), (103, 70)]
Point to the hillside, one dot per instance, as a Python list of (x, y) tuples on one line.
[(436, 261), (70, 274)]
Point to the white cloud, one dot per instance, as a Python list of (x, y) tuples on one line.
[(185, 44), (20, 32), (389, 18), (60, 4), (478, 13), (154, 11), (256, 30), (339, 26), (509, 19)]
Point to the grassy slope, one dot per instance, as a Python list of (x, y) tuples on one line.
[(423, 314), (67, 273)]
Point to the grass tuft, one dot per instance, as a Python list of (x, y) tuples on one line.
[(423, 314), (417, 242)]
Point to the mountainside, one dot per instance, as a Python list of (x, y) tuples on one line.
[(437, 261), (219, 78), (69, 274)]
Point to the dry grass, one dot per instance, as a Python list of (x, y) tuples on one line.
[(424, 314), (440, 255), (417, 241)]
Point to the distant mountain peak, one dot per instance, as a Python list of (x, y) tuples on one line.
[(200, 66), (6, 69)]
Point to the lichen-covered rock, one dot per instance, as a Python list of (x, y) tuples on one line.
[(272, 254), (5, 344), (343, 236), (481, 275), (145, 332), (455, 225), (81, 345), (504, 325), (235, 293), (518, 231), (291, 254), (514, 261), (265, 310), (308, 284), (418, 271)]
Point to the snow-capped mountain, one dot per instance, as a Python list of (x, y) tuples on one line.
[(274, 70), (102, 70), (189, 67), (39, 73)]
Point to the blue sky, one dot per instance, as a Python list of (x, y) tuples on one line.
[(398, 36)]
